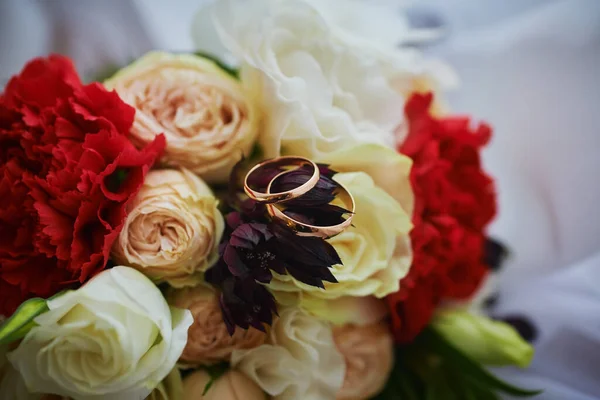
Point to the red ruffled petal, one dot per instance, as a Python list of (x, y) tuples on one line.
[(60, 144), (454, 202)]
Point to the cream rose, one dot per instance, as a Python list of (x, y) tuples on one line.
[(375, 251), (172, 230), (233, 385), (369, 355), (320, 89), (208, 119), (300, 361), (115, 338), (208, 339)]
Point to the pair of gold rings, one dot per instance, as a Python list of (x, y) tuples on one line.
[(272, 199)]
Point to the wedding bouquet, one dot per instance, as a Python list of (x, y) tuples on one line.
[(298, 218)]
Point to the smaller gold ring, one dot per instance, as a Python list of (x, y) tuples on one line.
[(285, 161), (303, 229)]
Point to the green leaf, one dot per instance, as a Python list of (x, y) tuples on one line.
[(208, 386), (215, 372), (403, 382), (21, 322), (230, 70), (470, 368)]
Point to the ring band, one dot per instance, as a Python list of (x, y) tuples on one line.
[(285, 161), (302, 229)]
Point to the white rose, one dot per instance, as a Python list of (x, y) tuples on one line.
[(301, 360), (113, 339), (12, 386), (320, 90)]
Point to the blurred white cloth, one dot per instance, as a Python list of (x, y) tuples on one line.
[(534, 75), (529, 67)]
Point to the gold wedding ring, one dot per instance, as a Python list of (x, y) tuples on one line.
[(303, 229), (287, 161)]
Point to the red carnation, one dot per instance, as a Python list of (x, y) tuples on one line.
[(454, 202), (67, 171)]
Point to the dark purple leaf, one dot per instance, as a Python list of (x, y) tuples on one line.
[(253, 247), (263, 230), (259, 180), (324, 170), (235, 263), (305, 250), (234, 219), (323, 192), (245, 236), (325, 215)]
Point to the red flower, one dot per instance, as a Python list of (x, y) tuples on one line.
[(67, 171), (454, 202)]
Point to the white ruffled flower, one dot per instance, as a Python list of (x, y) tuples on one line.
[(113, 339), (300, 362), (322, 90)]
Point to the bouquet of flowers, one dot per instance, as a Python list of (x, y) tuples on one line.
[(306, 222)]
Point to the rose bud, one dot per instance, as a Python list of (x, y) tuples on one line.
[(172, 230), (208, 339), (486, 341), (368, 352), (233, 385), (204, 113)]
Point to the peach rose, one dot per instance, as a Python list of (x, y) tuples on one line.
[(300, 360), (204, 113), (369, 355), (233, 385), (173, 228), (208, 339)]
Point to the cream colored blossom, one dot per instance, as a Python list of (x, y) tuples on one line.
[(209, 341), (375, 251), (369, 355), (115, 338), (172, 230), (300, 361), (233, 385), (389, 169), (207, 117), (320, 89)]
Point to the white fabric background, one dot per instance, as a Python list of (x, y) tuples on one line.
[(529, 67)]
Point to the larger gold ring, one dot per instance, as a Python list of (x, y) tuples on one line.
[(303, 229), (285, 161)]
